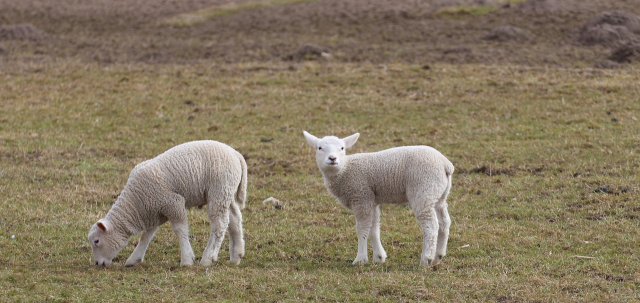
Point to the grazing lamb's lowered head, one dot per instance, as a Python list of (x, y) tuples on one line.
[(106, 242), (416, 175), (193, 174)]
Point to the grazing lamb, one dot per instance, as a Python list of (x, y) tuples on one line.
[(161, 189), (417, 175)]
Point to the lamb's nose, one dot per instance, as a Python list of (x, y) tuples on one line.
[(332, 158)]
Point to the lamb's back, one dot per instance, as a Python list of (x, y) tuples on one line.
[(190, 170), (389, 173)]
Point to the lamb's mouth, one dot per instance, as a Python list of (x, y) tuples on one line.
[(332, 163)]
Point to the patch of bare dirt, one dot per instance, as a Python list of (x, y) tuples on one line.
[(627, 53), (611, 29), (376, 31)]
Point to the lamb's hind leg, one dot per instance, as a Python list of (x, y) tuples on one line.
[(444, 222), (236, 239), (426, 216), (218, 211), (176, 213), (379, 255)]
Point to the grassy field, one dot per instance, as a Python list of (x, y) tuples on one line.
[(544, 198)]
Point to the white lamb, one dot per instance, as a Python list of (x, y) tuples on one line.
[(161, 189), (417, 175)]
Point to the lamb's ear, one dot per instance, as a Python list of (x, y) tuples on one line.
[(351, 140), (104, 225), (311, 139)]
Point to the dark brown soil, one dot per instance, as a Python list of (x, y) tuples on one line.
[(627, 53), (556, 32), (611, 29)]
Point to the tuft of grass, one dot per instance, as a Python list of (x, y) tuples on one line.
[(206, 14), (543, 201)]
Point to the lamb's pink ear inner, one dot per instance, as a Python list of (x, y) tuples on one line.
[(351, 140), (104, 225)]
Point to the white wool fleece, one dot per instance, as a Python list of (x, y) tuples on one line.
[(416, 175), (161, 189)]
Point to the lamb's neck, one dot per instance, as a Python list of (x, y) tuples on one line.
[(126, 218), (332, 177)]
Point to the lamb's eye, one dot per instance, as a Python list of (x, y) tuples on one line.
[(319, 148), (96, 241), (342, 148)]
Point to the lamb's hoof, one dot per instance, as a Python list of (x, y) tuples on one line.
[(187, 261), (361, 261), (437, 260), (237, 259), (132, 263), (426, 263), (379, 259)]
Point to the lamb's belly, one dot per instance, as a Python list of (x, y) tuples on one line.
[(393, 198), (194, 201)]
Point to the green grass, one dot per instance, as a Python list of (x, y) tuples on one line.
[(206, 14), (530, 146)]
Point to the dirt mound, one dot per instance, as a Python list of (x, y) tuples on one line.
[(611, 29), (309, 52), (507, 33), (21, 32), (627, 53)]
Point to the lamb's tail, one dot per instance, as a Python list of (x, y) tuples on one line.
[(448, 170), (241, 194)]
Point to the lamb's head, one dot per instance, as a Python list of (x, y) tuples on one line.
[(106, 242), (330, 150)]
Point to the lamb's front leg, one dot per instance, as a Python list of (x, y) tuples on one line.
[(138, 254), (379, 255), (364, 215)]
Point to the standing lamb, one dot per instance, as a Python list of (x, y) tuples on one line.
[(417, 175), (161, 189)]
